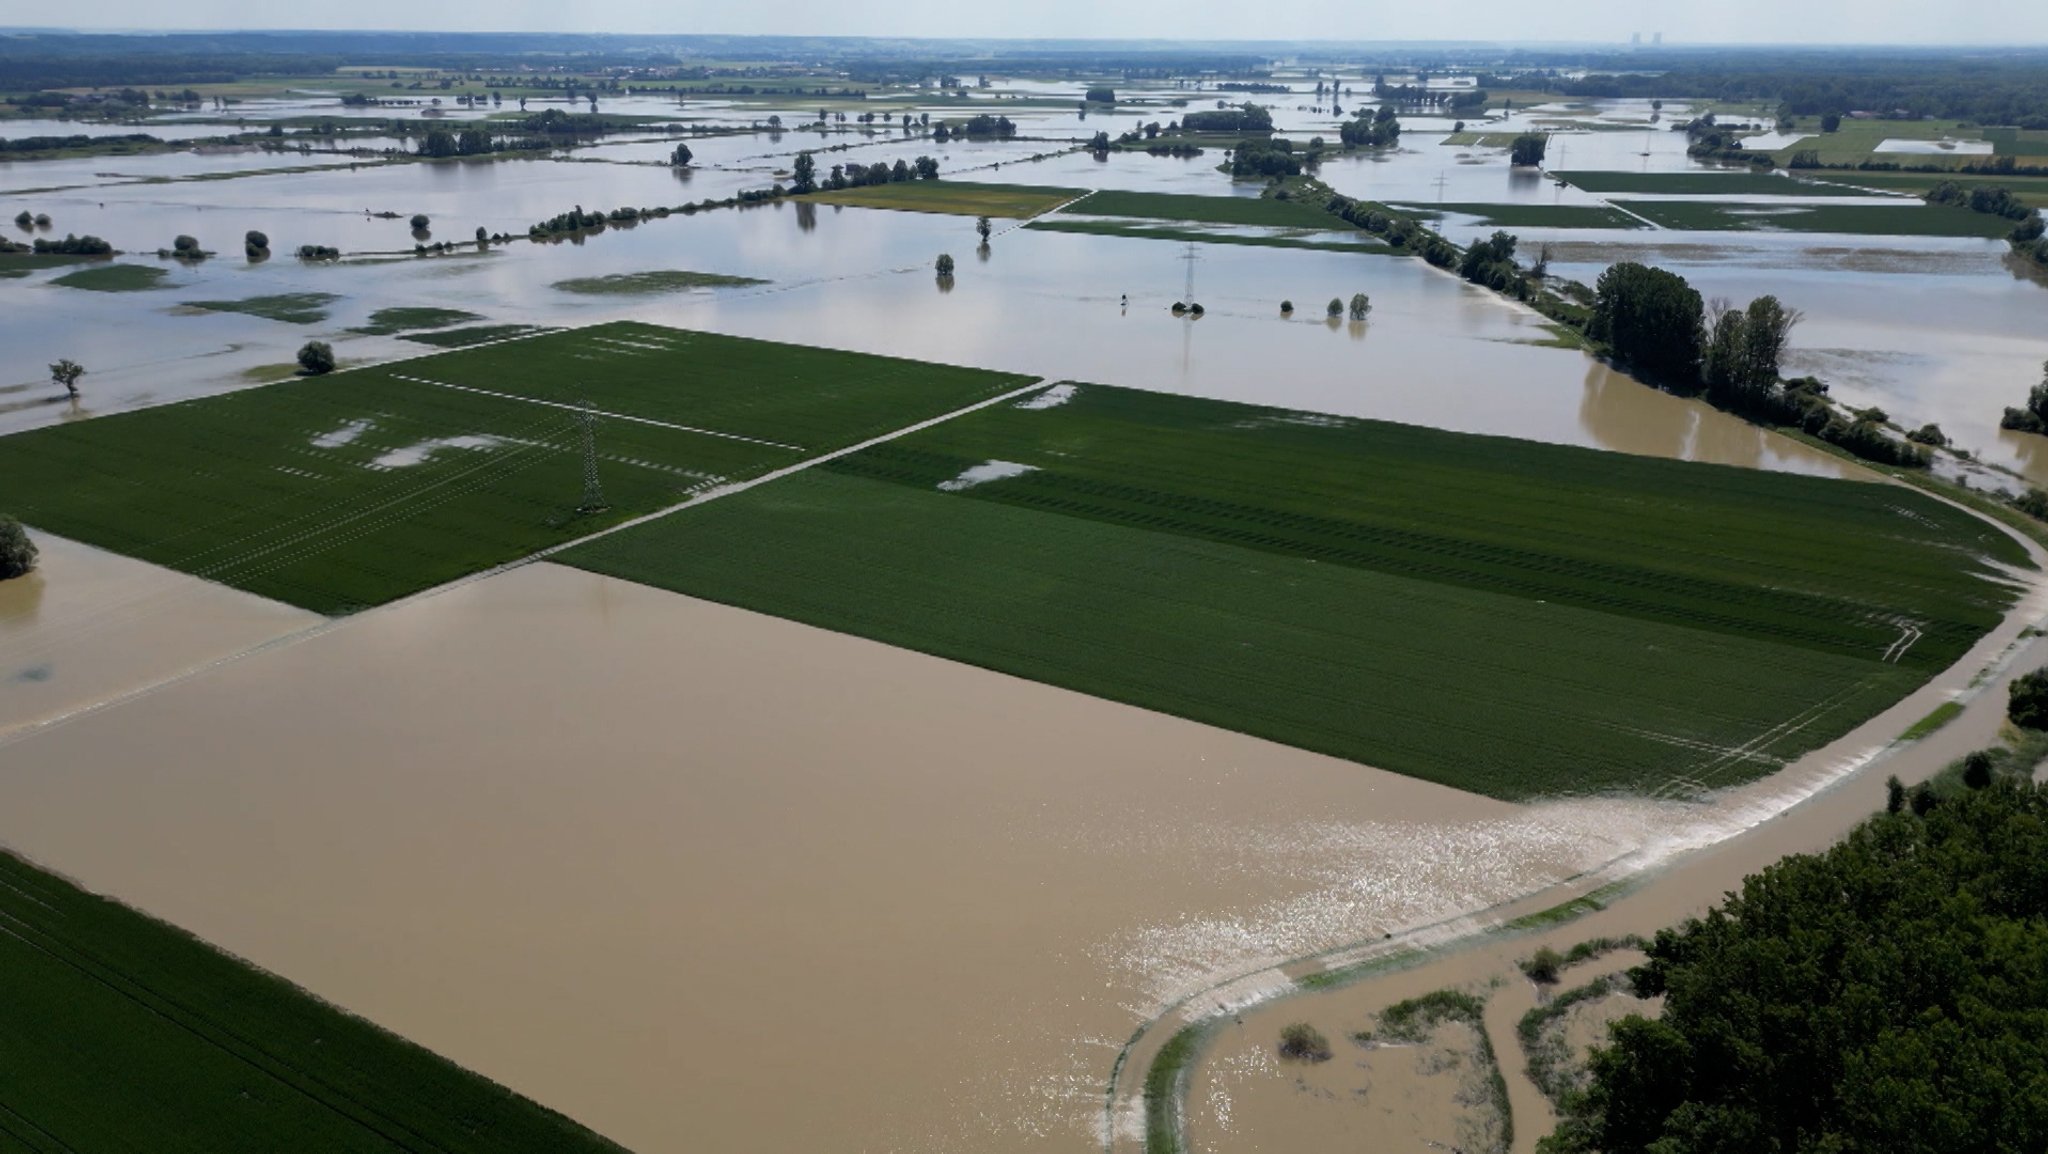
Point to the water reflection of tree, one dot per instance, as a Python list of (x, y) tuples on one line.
[(806, 215), (1615, 414), (2029, 451)]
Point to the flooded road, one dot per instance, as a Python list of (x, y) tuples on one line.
[(88, 625)]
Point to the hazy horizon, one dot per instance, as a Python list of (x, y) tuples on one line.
[(1736, 23)]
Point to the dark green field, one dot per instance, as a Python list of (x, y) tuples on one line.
[(1502, 616), (122, 1033), (1855, 219), (349, 490), (1199, 236), (1250, 210), (1732, 183)]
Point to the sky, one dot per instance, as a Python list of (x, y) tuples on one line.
[(1608, 21)]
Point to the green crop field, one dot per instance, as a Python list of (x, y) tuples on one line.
[(1706, 184), (462, 338), (958, 197), (2023, 142), (1857, 140), (352, 489), (1502, 616), (1250, 210), (1531, 215), (1855, 219), (124, 1033), (1201, 236)]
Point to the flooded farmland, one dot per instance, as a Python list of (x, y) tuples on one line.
[(705, 879)]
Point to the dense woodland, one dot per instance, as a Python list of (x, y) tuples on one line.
[(1890, 994)]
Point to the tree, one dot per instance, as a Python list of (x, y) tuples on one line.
[(17, 552), (944, 266), (1528, 149), (1831, 122), (420, 221), (1302, 1042), (1360, 305), (1286, 307), (255, 245), (1336, 308), (438, 143), (680, 158), (316, 358), (2033, 418), (1652, 321), (2027, 700), (982, 226), (804, 174), (483, 235), (1977, 770), (1884, 995), (66, 372), (1101, 94)]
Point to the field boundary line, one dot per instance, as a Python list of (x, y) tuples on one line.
[(597, 412)]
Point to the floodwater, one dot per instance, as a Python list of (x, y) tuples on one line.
[(1435, 351), (87, 625), (1689, 856), (705, 879)]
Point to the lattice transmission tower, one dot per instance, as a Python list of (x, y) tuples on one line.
[(593, 489)]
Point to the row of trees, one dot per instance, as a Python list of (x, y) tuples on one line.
[(804, 173)]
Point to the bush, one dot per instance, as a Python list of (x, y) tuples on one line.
[(1336, 308), (185, 245), (1977, 770), (255, 240), (1302, 1042), (17, 552), (316, 358), (420, 222), (2027, 701), (944, 264), (1286, 306), (1544, 966)]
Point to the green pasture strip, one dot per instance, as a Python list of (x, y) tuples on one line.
[(648, 283), (1531, 215), (2031, 189), (2031, 143), (1184, 235), (1706, 184), (1510, 618), (957, 197), (124, 1033), (1249, 210), (1853, 219)]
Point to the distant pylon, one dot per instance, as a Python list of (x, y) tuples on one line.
[(593, 489)]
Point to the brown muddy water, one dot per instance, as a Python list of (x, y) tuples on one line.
[(88, 625), (710, 880)]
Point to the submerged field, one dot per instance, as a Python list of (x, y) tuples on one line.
[(1727, 183), (1855, 219), (1506, 617), (211, 1054), (338, 492)]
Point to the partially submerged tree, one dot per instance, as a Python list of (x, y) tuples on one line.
[(680, 158), (804, 174), (17, 552), (1336, 308), (1528, 149), (1360, 305), (2027, 700), (981, 226), (944, 265), (66, 372), (316, 358), (1302, 1042)]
